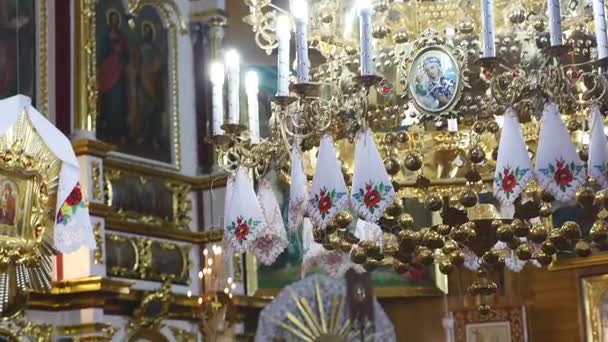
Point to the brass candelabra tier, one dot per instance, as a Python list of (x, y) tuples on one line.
[(442, 149)]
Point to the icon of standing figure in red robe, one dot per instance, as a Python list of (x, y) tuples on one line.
[(7, 211)]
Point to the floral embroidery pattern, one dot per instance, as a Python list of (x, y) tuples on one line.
[(602, 168), (242, 227), (563, 173), (509, 179), (72, 203), (372, 195), (325, 200)]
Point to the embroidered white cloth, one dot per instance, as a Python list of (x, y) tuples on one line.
[(298, 190), (245, 218), (368, 231), (72, 221), (513, 165), (372, 191), (272, 240), (598, 149), (328, 194), (558, 167)]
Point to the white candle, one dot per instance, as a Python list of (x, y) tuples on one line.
[(283, 35), (217, 100), (365, 37), (233, 65), (487, 29), (299, 9), (555, 23), (251, 88), (601, 38)]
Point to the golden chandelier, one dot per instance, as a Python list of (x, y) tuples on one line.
[(503, 55)]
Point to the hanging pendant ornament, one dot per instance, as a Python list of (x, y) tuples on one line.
[(559, 169), (372, 190), (298, 190), (272, 240), (598, 149), (328, 194), (244, 220), (513, 165)]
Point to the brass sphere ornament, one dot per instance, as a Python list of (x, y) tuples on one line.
[(392, 166), (468, 198), (394, 209), (601, 198), (413, 161), (585, 196), (477, 154), (546, 196), (433, 202), (544, 259), (457, 258), (559, 240), (460, 234), (582, 249), (408, 239), (571, 230), (548, 247), (318, 235), (493, 127), (343, 219), (443, 229), (400, 267), (446, 266), (425, 255), (504, 232), (491, 256), (520, 228), (524, 252), (432, 239), (479, 127), (358, 256), (402, 137), (545, 210), (406, 221), (449, 247), (538, 233), (599, 231), (371, 264)]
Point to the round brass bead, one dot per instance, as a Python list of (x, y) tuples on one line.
[(459, 234), (538, 233), (402, 137), (432, 239), (559, 240), (445, 266), (524, 252), (491, 256), (413, 161), (571, 230), (585, 196), (392, 166), (493, 127), (520, 228), (318, 235), (517, 15), (479, 127), (573, 125), (545, 210), (394, 209), (548, 247), (371, 264), (601, 198), (400, 267), (405, 221), (543, 258), (457, 258), (468, 198), (335, 240), (504, 232), (449, 247), (443, 229), (345, 246), (390, 138), (433, 202), (599, 231), (477, 154), (484, 309), (343, 219), (425, 255), (582, 249)]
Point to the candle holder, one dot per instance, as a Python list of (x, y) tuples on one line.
[(305, 89), (311, 116), (489, 63)]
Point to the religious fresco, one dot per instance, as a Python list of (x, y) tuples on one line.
[(132, 80), (18, 48)]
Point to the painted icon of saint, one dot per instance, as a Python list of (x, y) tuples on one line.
[(113, 59), (7, 210), (433, 89)]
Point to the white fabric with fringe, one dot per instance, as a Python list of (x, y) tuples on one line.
[(245, 220), (272, 240), (372, 191), (298, 190), (513, 165), (328, 195), (559, 169), (598, 148)]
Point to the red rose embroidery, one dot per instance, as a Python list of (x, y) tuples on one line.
[(562, 176), (372, 197), (324, 203), (75, 196), (242, 230), (508, 182)]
